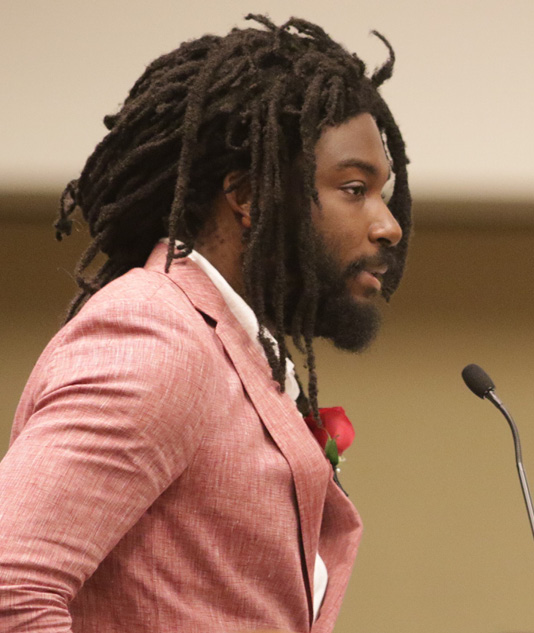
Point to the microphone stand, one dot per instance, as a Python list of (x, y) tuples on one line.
[(494, 399)]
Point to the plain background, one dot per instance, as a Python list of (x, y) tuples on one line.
[(447, 546)]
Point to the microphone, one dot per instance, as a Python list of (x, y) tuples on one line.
[(477, 380), (482, 386)]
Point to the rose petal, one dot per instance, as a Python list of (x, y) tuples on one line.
[(338, 425)]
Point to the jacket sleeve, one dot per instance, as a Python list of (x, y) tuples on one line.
[(113, 414)]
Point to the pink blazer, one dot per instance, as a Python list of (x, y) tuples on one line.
[(158, 480)]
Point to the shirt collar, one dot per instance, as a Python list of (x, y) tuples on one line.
[(244, 314)]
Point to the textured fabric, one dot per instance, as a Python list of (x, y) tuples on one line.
[(158, 480), (244, 314), (247, 319)]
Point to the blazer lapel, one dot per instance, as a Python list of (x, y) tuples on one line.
[(325, 512), (311, 471), (285, 425)]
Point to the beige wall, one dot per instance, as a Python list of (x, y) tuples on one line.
[(461, 89), (447, 546)]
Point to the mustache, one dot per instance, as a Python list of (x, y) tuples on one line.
[(385, 257)]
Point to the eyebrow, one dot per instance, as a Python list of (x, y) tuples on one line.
[(360, 164)]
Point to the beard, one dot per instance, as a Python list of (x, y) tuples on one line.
[(350, 323)]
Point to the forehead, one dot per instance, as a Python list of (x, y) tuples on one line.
[(357, 139)]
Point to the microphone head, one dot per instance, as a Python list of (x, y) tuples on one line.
[(477, 380)]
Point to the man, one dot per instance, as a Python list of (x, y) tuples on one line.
[(160, 476)]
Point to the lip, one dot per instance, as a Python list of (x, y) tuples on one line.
[(372, 279), (379, 270)]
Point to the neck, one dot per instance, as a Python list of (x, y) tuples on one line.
[(220, 242)]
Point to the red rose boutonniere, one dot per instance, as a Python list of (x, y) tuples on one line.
[(335, 435)]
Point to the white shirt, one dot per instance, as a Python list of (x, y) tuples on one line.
[(246, 317)]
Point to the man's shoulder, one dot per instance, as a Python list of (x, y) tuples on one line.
[(136, 286), (140, 305), (141, 316)]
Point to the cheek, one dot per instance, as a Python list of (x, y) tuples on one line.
[(331, 220), (341, 227), (345, 240)]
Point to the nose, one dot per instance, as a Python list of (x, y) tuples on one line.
[(384, 227)]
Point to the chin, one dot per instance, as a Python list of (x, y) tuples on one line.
[(351, 324)]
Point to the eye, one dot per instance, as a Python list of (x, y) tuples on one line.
[(356, 189)]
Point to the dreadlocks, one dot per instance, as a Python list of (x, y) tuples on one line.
[(253, 101)]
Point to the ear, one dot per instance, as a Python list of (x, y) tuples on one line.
[(236, 189)]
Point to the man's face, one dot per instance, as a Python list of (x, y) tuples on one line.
[(355, 231)]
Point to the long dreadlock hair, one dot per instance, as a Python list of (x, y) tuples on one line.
[(253, 101)]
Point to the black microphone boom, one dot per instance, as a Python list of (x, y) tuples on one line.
[(482, 385)]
